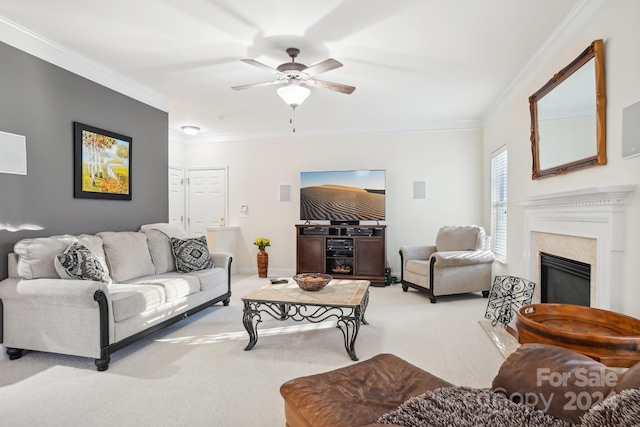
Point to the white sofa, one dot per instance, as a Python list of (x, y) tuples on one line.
[(141, 293)]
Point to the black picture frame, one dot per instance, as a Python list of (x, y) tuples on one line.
[(102, 163)]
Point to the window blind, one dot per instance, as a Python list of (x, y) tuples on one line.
[(499, 203)]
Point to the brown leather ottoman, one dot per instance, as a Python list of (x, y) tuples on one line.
[(356, 395)]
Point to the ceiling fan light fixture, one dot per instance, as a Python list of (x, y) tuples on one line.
[(293, 94), (190, 130)]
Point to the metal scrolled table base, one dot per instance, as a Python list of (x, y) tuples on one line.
[(348, 318)]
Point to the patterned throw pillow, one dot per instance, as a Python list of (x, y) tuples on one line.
[(77, 262), (191, 254)]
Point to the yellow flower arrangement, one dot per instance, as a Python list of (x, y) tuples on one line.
[(262, 242)]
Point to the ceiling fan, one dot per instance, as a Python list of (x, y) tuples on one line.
[(297, 78)]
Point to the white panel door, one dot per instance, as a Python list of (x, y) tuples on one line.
[(176, 197), (207, 199)]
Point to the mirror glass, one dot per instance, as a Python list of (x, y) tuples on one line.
[(567, 117)]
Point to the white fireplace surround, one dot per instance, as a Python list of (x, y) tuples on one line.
[(593, 213)]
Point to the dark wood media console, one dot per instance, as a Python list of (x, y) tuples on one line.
[(343, 251)]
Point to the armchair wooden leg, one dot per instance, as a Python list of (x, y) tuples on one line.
[(485, 294)]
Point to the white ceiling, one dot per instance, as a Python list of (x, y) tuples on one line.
[(417, 64)]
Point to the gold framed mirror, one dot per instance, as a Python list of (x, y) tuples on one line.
[(568, 117)]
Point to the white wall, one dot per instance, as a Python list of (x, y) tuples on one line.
[(617, 25), (176, 153), (450, 162)]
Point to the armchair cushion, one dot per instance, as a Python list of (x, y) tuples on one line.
[(418, 266), (460, 238), (417, 252), (459, 258)]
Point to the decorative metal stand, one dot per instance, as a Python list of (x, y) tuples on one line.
[(348, 318), (507, 295)]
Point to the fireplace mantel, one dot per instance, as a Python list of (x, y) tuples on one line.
[(594, 196), (594, 213)]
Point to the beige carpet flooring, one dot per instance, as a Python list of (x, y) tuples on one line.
[(196, 373)]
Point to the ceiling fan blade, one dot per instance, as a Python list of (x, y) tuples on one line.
[(335, 86), (322, 67), (260, 65), (273, 82)]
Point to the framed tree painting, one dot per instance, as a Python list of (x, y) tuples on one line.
[(102, 163)]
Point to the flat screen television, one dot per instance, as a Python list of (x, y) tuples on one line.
[(347, 196)]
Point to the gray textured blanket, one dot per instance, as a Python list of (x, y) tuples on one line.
[(470, 407)]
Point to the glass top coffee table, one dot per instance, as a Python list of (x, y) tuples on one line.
[(343, 300)]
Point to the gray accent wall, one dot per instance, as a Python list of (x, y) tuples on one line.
[(41, 101)]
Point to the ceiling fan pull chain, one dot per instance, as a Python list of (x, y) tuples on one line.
[(292, 120)]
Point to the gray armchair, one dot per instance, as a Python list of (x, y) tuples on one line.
[(459, 262)]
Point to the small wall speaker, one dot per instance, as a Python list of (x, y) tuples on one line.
[(419, 189), (13, 153), (285, 192), (631, 130)]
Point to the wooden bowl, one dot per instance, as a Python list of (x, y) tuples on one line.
[(609, 337), (312, 281)]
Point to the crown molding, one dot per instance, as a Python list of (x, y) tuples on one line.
[(40, 47), (581, 14), (372, 128)]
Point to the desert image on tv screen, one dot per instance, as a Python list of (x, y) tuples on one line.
[(343, 195)]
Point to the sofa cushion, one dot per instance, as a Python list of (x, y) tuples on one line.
[(129, 300), (158, 236), (191, 254), (161, 252), (467, 407), (212, 278), (458, 238), (175, 285), (78, 262), (554, 379), (36, 256), (94, 244), (127, 254)]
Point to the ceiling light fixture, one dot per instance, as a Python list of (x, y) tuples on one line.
[(293, 94), (190, 130)]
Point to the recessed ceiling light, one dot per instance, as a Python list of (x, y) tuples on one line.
[(190, 130)]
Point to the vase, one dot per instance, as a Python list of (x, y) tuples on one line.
[(263, 263)]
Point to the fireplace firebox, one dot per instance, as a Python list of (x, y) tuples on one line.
[(564, 281)]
